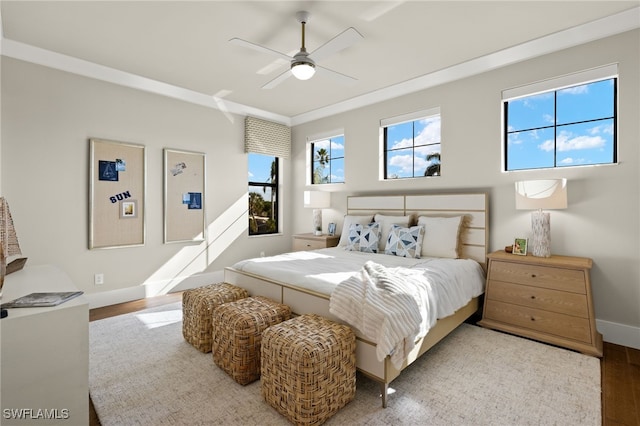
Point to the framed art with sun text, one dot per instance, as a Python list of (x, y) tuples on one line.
[(117, 194), (184, 196)]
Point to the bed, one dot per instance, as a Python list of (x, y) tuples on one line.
[(309, 289)]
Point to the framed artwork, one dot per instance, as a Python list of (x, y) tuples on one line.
[(117, 193), (332, 229), (184, 196), (128, 209), (520, 246)]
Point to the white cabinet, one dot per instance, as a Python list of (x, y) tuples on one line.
[(44, 353)]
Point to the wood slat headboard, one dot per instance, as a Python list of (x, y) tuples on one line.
[(474, 238)]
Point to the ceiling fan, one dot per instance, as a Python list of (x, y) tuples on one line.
[(304, 64)]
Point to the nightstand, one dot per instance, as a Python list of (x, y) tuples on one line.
[(542, 298), (312, 242)]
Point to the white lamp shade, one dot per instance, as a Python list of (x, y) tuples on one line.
[(317, 199), (303, 71), (541, 194)]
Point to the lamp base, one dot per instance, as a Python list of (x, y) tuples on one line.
[(317, 221), (540, 234)]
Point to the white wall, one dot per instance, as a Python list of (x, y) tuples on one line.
[(48, 117), (602, 221)]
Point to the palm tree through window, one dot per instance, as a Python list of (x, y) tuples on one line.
[(327, 159)]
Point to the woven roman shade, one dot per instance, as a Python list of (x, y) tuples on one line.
[(266, 137)]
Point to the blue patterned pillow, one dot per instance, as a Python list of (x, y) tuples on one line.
[(405, 242), (363, 238)]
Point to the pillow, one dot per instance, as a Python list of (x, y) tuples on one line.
[(363, 238), (385, 226), (348, 221), (441, 236), (405, 242)]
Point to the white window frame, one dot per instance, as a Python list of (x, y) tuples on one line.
[(401, 119), (555, 84), (309, 163)]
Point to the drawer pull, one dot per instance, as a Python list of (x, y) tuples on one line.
[(533, 297), (533, 275), (533, 319)]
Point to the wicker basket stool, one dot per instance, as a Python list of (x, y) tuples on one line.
[(308, 368), (197, 309), (237, 333)]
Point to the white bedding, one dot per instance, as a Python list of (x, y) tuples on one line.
[(456, 281)]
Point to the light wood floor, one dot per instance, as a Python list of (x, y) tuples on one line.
[(620, 369)]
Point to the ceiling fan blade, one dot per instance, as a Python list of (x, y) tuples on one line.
[(338, 76), (340, 42), (244, 43), (279, 79)]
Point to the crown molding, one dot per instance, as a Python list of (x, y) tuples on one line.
[(615, 24)]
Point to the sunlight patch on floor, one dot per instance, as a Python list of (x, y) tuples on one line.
[(160, 319)]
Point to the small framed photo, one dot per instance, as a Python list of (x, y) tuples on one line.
[(520, 246), (128, 209), (332, 229)]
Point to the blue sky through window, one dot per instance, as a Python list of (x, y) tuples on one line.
[(576, 124), (260, 171), (333, 170), (408, 145)]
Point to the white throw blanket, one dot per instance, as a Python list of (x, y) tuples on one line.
[(390, 306)]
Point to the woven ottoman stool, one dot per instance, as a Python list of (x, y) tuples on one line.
[(197, 309), (308, 368), (237, 334)]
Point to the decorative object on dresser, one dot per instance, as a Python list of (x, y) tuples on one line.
[(546, 299), (314, 242), (317, 200), (538, 195)]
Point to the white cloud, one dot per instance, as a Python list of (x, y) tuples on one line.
[(405, 163), (575, 90), (604, 128), (548, 118), (430, 134), (566, 142)]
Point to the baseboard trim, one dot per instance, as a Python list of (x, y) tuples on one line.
[(620, 334), (113, 297)]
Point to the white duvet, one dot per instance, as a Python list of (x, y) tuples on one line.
[(452, 283)]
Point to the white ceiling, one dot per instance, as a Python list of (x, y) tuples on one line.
[(181, 49)]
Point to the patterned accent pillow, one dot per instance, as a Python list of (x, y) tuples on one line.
[(363, 237), (405, 242)]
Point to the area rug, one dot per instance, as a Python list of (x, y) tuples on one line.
[(142, 372)]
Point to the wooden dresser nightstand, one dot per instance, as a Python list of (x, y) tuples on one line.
[(312, 242), (542, 298)]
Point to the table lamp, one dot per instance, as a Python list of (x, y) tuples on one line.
[(539, 195), (317, 200)]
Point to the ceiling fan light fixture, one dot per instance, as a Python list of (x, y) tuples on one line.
[(303, 70)]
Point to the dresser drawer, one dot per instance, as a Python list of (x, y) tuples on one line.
[(539, 276), (304, 244), (540, 298), (564, 326)]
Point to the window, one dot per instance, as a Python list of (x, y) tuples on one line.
[(411, 145), (263, 194), (327, 160), (570, 125)]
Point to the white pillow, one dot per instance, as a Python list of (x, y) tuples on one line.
[(386, 222), (441, 235), (348, 221)]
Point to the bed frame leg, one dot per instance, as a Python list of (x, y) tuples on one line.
[(384, 388)]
